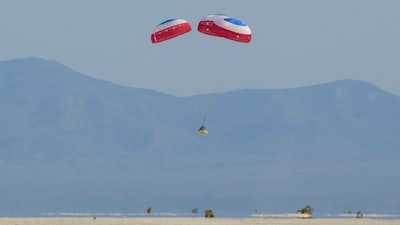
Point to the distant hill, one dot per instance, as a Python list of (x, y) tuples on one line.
[(71, 143)]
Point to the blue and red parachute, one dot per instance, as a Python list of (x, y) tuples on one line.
[(218, 25)]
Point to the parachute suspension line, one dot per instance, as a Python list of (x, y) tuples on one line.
[(199, 113), (205, 115), (203, 118), (201, 106), (203, 121), (206, 108)]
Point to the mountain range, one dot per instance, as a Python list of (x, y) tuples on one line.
[(72, 143)]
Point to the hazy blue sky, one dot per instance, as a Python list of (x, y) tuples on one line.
[(295, 42)]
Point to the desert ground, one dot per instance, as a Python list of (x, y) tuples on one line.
[(192, 221)]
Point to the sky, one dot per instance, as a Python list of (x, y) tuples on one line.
[(295, 43)]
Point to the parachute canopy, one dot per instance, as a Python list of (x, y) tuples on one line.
[(169, 29), (208, 26), (220, 25)]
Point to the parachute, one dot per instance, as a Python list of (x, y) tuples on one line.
[(170, 29), (220, 25)]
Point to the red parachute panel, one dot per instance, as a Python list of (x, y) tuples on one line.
[(170, 29), (207, 25)]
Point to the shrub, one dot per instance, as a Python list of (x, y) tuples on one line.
[(209, 213), (307, 210)]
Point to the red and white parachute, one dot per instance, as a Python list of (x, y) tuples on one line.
[(223, 26), (169, 29), (218, 25)]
